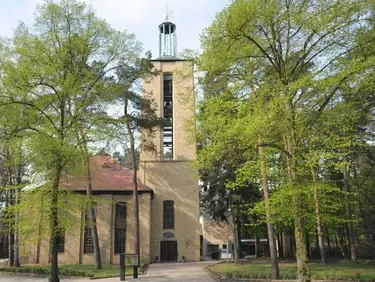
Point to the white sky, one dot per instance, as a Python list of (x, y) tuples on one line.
[(141, 17)]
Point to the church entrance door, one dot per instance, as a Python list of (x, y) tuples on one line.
[(168, 251)]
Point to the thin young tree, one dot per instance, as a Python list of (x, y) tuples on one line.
[(82, 136), (138, 115)]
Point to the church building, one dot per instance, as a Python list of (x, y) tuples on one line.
[(168, 188)]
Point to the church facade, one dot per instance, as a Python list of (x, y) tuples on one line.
[(168, 188)]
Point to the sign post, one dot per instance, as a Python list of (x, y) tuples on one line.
[(122, 267), (128, 260)]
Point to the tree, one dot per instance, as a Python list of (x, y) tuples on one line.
[(225, 143), (13, 161), (82, 137), (318, 220), (125, 159), (224, 200), (270, 228), (139, 115), (292, 52), (55, 69)]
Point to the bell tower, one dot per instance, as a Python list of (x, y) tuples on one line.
[(172, 90), (167, 37), (175, 227), (167, 40)]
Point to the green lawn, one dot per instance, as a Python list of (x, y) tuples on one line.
[(72, 270), (332, 271)]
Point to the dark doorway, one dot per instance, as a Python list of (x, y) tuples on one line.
[(168, 251)]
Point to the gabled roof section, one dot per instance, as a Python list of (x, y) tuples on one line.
[(107, 175)]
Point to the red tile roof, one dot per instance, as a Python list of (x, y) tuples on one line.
[(106, 175)]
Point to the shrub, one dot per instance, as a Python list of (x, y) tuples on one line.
[(44, 270), (27, 269)]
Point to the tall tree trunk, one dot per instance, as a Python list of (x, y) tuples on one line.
[(11, 249), (134, 179), (135, 196), (339, 248), (344, 250), (54, 226), (5, 246), (353, 255), (16, 238), (11, 219), (257, 246), (135, 191), (359, 202), (91, 210), (16, 220), (303, 268), (239, 237), (317, 217), (235, 237), (278, 246), (281, 245), (287, 246), (92, 217), (270, 229), (328, 242), (293, 244), (37, 259), (40, 223), (356, 184)]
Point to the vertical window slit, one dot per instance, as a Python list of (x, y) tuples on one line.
[(168, 115)]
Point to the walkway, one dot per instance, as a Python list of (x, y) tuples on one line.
[(184, 272), (160, 272)]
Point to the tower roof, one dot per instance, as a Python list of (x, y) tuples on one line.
[(167, 39), (167, 30)]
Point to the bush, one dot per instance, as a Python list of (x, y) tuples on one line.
[(26, 269), (78, 270), (215, 255), (44, 270)]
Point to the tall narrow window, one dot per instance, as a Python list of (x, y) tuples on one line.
[(168, 216), (61, 241), (88, 241), (62, 216), (168, 115), (120, 228)]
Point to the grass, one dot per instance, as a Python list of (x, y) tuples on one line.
[(342, 270), (72, 270)]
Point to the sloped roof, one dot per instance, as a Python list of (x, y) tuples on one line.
[(106, 175)]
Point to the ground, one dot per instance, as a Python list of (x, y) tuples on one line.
[(364, 271), (161, 272)]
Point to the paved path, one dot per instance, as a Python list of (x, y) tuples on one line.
[(179, 272), (160, 272)]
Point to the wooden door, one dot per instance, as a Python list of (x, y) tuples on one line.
[(168, 251)]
